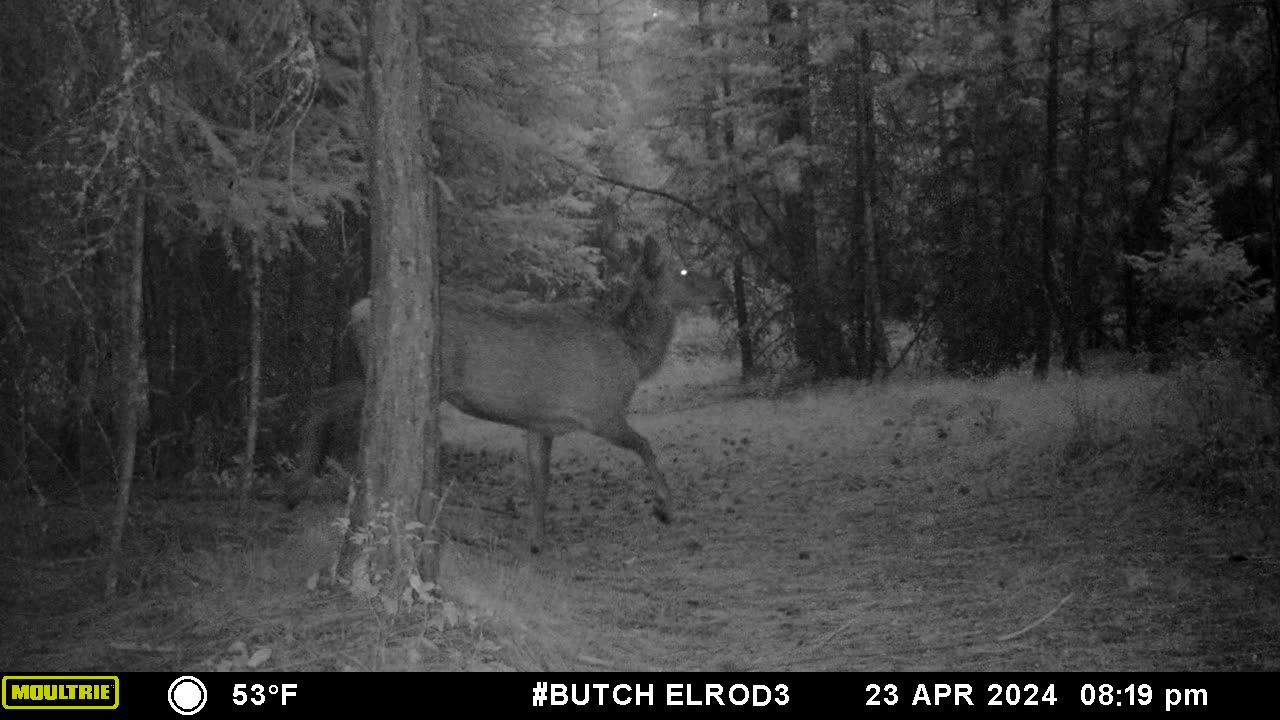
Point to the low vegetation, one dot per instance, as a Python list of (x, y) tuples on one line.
[(1121, 520)]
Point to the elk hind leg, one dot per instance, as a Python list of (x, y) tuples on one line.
[(325, 406)]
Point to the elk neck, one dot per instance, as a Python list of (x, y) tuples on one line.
[(646, 324)]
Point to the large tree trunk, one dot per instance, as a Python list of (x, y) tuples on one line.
[(1049, 209), (131, 387), (1273, 23), (1131, 242), (1073, 310), (817, 336), (1008, 190), (131, 393), (400, 438), (718, 137), (876, 351)]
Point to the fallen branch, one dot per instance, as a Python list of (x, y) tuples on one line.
[(1032, 626)]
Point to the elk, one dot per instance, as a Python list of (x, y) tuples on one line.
[(547, 368)]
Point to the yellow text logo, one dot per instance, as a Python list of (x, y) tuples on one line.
[(68, 692)]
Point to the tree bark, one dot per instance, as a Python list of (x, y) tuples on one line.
[(817, 336), (132, 392), (720, 84), (1049, 196), (400, 437), (1273, 25), (131, 389), (876, 352), (1075, 296), (253, 388)]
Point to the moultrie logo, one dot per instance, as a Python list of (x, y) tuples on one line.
[(67, 692)]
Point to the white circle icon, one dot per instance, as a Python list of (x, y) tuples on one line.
[(187, 695)]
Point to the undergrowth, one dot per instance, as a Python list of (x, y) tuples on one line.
[(1209, 425), (209, 590)]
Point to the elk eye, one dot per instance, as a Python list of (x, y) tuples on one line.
[(684, 272)]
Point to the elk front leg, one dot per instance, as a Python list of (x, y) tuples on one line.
[(620, 433), (538, 449)]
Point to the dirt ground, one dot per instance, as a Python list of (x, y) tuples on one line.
[(861, 529), (953, 525)]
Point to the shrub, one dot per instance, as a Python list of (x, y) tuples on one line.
[(1197, 296), (1220, 420)]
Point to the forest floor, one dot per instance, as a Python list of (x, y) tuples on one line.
[(1120, 521)]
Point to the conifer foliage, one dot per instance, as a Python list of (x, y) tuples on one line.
[(984, 183)]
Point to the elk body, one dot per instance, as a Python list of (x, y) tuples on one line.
[(547, 368)]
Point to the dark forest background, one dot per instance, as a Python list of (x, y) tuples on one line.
[(980, 186)]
